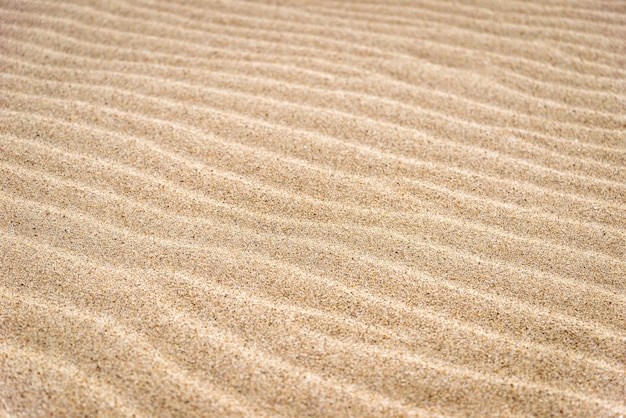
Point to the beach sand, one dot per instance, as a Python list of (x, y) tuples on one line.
[(313, 208)]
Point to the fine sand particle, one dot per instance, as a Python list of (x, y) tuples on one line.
[(312, 208)]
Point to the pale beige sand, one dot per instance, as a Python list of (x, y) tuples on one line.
[(316, 208)]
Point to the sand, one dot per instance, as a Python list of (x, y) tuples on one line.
[(313, 208)]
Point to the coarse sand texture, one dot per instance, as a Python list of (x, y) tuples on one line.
[(377, 208)]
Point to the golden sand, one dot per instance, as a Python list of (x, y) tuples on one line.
[(313, 208)]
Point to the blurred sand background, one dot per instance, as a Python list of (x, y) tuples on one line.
[(313, 208)]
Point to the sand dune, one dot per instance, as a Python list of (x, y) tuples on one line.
[(381, 208)]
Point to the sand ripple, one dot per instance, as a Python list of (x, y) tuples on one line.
[(314, 208)]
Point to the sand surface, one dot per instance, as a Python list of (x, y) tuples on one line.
[(313, 208)]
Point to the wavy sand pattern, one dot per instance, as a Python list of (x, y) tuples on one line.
[(315, 208)]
